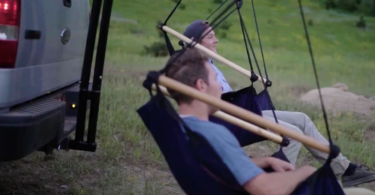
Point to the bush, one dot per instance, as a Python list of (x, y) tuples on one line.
[(361, 23), (182, 6), (221, 30), (348, 5), (225, 25), (310, 22), (157, 49), (218, 1), (366, 7), (330, 4)]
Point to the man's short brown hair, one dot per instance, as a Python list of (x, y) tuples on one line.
[(187, 69)]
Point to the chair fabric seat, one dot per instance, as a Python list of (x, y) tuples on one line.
[(197, 167)]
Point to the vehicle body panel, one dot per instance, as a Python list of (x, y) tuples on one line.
[(46, 64)]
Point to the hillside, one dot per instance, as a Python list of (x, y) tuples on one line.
[(343, 52)]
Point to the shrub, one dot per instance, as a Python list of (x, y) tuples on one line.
[(310, 22), (225, 25), (366, 7), (218, 1), (221, 30), (182, 6), (157, 49), (361, 23)]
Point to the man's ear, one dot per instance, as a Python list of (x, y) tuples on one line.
[(200, 85)]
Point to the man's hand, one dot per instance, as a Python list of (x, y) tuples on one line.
[(278, 183), (279, 165), (276, 164)]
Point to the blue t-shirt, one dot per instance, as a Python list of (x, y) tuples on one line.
[(227, 147)]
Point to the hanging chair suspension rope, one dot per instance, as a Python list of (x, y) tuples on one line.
[(209, 52), (241, 123), (271, 136), (260, 42), (247, 49), (191, 43), (216, 9), (248, 43), (222, 13), (228, 107), (241, 113), (254, 77), (246, 38), (167, 40), (315, 72), (215, 23)]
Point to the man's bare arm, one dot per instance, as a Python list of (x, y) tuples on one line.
[(260, 162), (280, 183), (277, 164)]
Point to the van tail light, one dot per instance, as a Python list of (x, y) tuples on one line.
[(10, 13)]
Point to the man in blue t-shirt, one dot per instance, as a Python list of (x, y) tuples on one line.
[(193, 69), (351, 174)]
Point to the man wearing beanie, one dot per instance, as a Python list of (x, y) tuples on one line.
[(350, 173)]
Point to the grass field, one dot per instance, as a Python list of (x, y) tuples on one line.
[(129, 162)]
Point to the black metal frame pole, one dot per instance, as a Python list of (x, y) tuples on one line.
[(86, 70), (98, 74)]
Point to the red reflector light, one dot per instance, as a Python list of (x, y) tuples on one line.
[(8, 53), (9, 30), (9, 12)]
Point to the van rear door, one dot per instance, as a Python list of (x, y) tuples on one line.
[(62, 25), (51, 37), (51, 45)]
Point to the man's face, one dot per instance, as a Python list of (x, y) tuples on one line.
[(209, 41), (212, 88)]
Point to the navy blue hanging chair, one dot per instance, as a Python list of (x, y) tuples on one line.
[(192, 160), (246, 98), (194, 163)]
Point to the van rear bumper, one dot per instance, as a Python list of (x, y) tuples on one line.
[(27, 128)]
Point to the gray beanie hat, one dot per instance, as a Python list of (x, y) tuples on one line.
[(195, 30)]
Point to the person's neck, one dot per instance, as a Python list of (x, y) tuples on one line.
[(195, 108)]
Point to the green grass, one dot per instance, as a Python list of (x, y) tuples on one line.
[(342, 52), (129, 162)]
